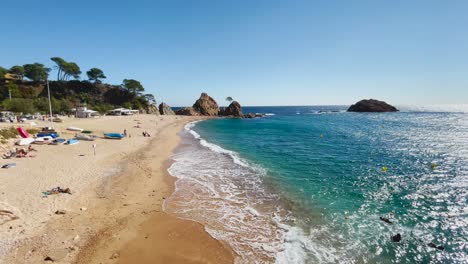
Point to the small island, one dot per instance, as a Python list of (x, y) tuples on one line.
[(372, 105)]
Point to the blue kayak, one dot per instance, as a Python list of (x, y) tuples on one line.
[(58, 141), (72, 141), (114, 135), (47, 134)]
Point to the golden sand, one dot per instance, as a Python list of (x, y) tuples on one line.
[(114, 213)]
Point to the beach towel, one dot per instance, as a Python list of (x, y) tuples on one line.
[(8, 165)]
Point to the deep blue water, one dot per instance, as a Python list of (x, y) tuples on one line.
[(333, 174)]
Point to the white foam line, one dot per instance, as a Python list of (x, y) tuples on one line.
[(235, 157), (285, 245)]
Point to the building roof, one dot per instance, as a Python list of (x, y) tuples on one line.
[(11, 76)]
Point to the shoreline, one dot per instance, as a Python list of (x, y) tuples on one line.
[(123, 220)]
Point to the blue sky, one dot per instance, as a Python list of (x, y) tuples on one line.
[(259, 52)]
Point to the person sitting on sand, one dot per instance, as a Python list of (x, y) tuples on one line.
[(147, 134), (30, 148), (21, 152), (125, 132), (143, 133)]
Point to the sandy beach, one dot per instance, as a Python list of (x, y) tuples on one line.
[(113, 214)]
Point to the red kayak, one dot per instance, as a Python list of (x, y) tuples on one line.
[(22, 132)]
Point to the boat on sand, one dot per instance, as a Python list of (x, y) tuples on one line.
[(75, 129), (72, 141), (22, 132), (85, 137), (50, 134), (25, 141), (43, 140), (114, 135), (58, 141)]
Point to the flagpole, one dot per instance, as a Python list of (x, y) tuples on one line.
[(50, 105)]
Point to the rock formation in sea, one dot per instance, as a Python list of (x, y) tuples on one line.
[(371, 105), (250, 115), (187, 111), (206, 105), (165, 109), (234, 110)]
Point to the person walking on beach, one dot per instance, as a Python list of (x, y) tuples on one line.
[(125, 132)]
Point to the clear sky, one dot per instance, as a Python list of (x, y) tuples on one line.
[(259, 52)]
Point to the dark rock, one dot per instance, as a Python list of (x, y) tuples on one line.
[(386, 220), (234, 109), (249, 115), (254, 115), (187, 111), (164, 109), (206, 105), (432, 245), (371, 105), (396, 238)]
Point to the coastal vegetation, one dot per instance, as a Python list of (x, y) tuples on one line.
[(23, 89), (10, 132)]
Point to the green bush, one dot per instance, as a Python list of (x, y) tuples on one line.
[(32, 131), (102, 108), (19, 105), (7, 133)]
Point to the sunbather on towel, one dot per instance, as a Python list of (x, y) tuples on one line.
[(57, 190)]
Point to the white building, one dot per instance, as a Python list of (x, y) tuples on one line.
[(123, 111), (82, 111)]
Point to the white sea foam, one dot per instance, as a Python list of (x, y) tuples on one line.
[(218, 188), (213, 147)]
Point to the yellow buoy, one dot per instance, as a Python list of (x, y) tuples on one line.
[(433, 165), (384, 169)]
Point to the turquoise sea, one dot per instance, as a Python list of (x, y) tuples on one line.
[(309, 184)]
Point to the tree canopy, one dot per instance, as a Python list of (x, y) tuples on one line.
[(36, 72), (229, 99), (133, 85), (19, 105), (150, 98), (30, 94), (66, 69), (18, 70), (3, 71), (72, 69), (95, 74)]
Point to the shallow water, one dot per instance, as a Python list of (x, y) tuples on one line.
[(305, 186)]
